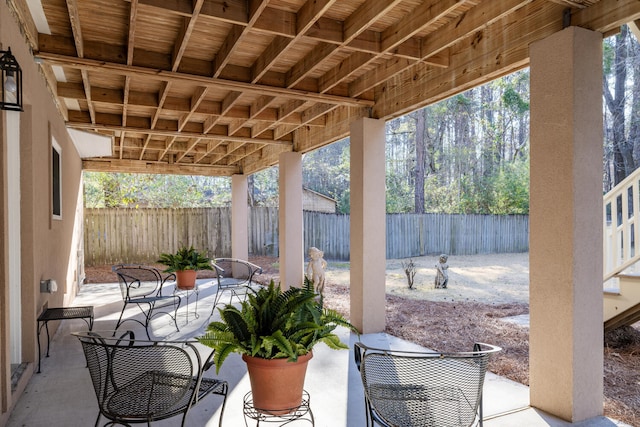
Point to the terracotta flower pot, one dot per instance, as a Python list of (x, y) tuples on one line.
[(186, 279), (276, 384)]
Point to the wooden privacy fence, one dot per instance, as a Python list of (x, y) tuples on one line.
[(140, 235)]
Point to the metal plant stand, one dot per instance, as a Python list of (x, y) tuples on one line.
[(301, 413)]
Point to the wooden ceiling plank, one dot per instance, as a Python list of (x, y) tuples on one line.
[(347, 67), (308, 115), (232, 11), (310, 12), (125, 99), (143, 72), (87, 91), (235, 126), (259, 105), (147, 139), (477, 18), (120, 150), (368, 13), (229, 100), (607, 15), (260, 128), (309, 62), (74, 19), (429, 84), (327, 31), (441, 59), (168, 144), (382, 73), (471, 22), (289, 108), (276, 22), (277, 47), (133, 14), (21, 9), (164, 91), (192, 144), (570, 3), (142, 166), (224, 53), (211, 145), (235, 36), (170, 133), (209, 123), (196, 99), (422, 16), (188, 24)]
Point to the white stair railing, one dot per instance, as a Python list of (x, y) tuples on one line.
[(621, 230)]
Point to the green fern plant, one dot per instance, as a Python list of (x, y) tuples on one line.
[(274, 324), (186, 258)]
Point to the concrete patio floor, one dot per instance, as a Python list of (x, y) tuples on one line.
[(62, 395)]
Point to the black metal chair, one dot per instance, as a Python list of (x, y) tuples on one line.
[(143, 285), (234, 276), (143, 381), (404, 388)]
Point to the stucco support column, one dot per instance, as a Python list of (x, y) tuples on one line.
[(565, 238), (239, 217), (368, 225), (290, 222)]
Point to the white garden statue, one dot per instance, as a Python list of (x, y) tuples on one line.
[(315, 269), (442, 275)]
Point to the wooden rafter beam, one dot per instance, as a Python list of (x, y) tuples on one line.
[(172, 133), (143, 166), (169, 76)]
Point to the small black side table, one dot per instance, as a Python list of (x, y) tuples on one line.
[(301, 413), (62, 313)]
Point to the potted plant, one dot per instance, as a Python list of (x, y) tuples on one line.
[(185, 263), (275, 332)]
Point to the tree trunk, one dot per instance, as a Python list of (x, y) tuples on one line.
[(622, 152), (421, 139)]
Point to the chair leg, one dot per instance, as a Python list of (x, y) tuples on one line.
[(224, 402), (124, 306), (147, 320), (175, 311)]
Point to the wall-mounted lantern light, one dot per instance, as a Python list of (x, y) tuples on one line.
[(10, 82)]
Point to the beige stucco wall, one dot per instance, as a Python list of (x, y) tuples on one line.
[(48, 247)]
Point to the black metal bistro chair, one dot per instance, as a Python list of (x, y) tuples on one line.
[(235, 277), (143, 381), (434, 389), (143, 286)]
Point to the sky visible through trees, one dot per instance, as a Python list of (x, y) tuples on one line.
[(466, 154)]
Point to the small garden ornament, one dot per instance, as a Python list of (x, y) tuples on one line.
[(410, 271), (315, 269), (442, 276)]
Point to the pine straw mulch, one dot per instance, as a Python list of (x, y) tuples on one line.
[(449, 326), (453, 326)]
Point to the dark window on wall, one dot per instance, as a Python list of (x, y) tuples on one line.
[(56, 180)]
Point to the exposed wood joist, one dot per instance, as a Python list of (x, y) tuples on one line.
[(195, 85)]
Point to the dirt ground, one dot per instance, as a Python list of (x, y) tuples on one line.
[(482, 291)]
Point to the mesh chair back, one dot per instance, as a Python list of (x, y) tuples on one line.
[(230, 268), (137, 281), (423, 389), (139, 381), (234, 276)]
